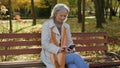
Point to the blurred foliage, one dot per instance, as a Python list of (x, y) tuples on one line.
[(24, 7)]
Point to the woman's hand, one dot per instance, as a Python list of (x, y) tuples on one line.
[(69, 50), (63, 48)]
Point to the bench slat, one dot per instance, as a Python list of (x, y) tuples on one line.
[(105, 64), (89, 34), (86, 41), (21, 35), (20, 43), (91, 48), (22, 64), (20, 51)]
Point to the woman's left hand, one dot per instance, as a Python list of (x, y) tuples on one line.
[(68, 50)]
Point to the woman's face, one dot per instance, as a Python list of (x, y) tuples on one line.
[(61, 16)]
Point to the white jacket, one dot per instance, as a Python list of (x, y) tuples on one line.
[(48, 47)]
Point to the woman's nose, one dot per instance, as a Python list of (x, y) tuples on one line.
[(63, 17)]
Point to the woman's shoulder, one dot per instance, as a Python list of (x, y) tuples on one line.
[(66, 25), (48, 23)]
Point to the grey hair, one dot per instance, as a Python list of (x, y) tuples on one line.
[(57, 8)]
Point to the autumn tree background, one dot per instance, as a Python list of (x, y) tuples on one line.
[(40, 9)]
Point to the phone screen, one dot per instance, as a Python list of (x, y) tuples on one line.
[(71, 46)]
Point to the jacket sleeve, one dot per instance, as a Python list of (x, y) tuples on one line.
[(70, 41)]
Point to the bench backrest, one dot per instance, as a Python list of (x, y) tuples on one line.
[(94, 41), (30, 44)]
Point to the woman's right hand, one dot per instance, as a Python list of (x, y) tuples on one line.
[(63, 48)]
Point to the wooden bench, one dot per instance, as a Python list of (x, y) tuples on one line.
[(18, 44), (94, 46), (91, 45)]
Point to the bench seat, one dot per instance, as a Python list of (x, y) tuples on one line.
[(22, 64)]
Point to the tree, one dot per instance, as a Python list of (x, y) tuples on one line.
[(83, 17), (99, 12), (33, 12), (10, 31), (113, 6), (110, 3), (54, 2), (79, 11), (119, 7), (102, 6), (106, 8)]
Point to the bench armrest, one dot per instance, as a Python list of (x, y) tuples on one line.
[(113, 55)]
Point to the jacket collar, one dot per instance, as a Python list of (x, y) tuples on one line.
[(52, 24)]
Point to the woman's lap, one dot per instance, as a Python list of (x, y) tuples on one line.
[(72, 66), (73, 59)]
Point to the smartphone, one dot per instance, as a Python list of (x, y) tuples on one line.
[(71, 46)]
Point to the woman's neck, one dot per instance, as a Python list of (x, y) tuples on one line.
[(58, 24)]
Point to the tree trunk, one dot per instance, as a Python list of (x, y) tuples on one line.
[(102, 6), (83, 17), (98, 13), (119, 9), (110, 16), (119, 13), (106, 8), (10, 19), (79, 11), (33, 12)]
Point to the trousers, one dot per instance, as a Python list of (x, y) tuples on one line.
[(74, 60)]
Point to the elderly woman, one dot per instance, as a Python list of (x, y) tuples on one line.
[(56, 40)]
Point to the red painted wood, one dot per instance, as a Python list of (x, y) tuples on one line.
[(91, 48), (21, 39), (86, 39), (21, 35), (89, 34), (20, 43), (20, 51), (105, 64)]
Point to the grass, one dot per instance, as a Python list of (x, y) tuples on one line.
[(111, 27)]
